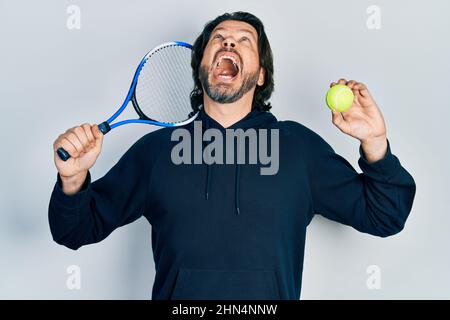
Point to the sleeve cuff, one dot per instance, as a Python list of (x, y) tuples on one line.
[(383, 168), (74, 200)]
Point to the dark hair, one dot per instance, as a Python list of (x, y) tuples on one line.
[(262, 93)]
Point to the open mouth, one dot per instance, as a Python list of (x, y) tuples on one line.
[(226, 67)]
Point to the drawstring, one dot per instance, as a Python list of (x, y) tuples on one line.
[(236, 185), (208, 181), (208, 167), (236, 188)]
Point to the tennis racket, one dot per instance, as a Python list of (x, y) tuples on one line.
[(160, 90)]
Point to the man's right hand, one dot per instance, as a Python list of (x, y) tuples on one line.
[(84, 144)]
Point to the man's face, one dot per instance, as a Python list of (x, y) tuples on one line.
[(230, 64)]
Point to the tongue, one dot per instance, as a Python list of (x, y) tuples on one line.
[(227, 68)]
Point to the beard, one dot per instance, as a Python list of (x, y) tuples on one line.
[(221, 93)]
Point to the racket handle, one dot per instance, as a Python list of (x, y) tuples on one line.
[(64, 155)]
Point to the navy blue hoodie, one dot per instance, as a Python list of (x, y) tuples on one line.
[(225, 231)]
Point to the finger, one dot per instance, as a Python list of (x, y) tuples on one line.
[(332, 84), (70, 129), (342, 81), (73, 139), (362, 88), (89, 135), (87, 130), (81, 135), (351, 84)]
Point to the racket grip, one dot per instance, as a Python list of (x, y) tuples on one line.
[(104, 127), (64, 155)]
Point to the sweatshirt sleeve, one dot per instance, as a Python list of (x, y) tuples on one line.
[(376, 201), (112, 201)]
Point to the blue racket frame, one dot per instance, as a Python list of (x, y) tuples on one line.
[(107, 125)]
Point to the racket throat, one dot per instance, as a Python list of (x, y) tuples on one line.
[(104, 127)]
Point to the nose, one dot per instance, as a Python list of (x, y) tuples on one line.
[(228, 43)]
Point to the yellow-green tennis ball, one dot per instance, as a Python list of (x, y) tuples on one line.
[(339, 98)]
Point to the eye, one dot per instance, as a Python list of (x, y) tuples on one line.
[(218, 36), (244, 39)]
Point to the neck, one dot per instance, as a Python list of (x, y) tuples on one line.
[(229, 113)]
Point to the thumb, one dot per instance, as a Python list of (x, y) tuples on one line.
[(96, 132), (98, 135), (336, 118), (339, 121)]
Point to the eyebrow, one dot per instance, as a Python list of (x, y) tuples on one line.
[(240, 30)]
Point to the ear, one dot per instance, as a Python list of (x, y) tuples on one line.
[(262, 74)]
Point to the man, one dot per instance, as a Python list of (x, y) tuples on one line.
[(222, 231)]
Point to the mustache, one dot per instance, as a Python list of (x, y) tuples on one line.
[(228, 50)]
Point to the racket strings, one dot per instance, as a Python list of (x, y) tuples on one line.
[(183, 85), (164, 85), (172, 79)]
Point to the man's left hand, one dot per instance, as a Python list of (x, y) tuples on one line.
[(363, 121)]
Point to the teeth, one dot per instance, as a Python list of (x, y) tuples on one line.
[(228, 57)]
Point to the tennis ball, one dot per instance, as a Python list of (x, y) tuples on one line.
[(339, 98)]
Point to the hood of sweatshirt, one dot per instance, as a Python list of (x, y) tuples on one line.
[(255, 119)]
